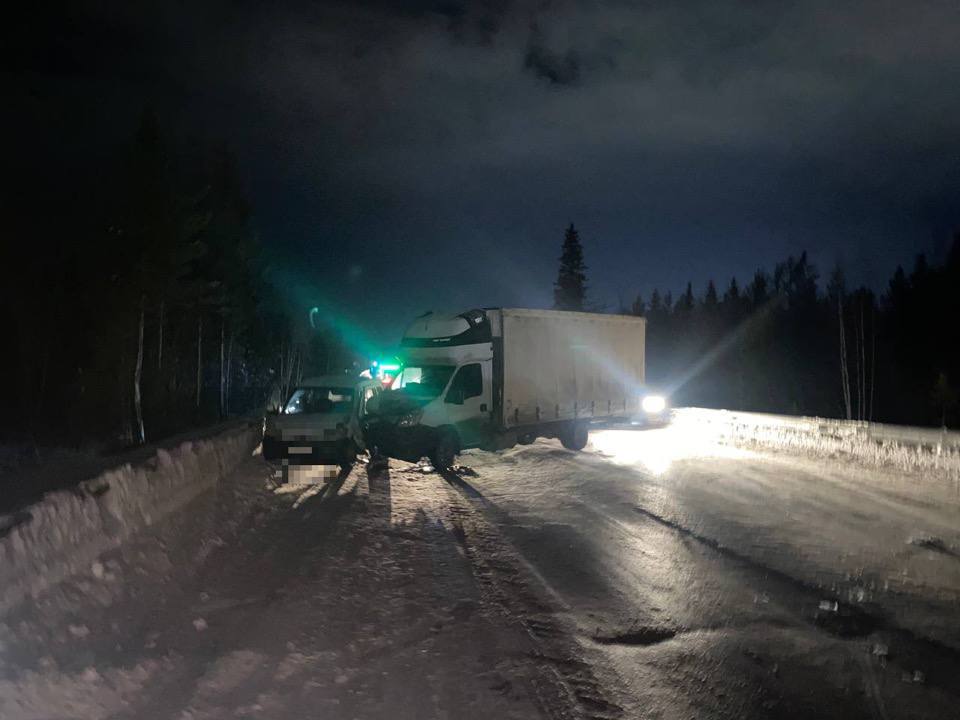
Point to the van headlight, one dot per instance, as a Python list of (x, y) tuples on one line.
[(654, 404), (410, 419)]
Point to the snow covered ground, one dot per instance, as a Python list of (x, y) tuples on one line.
[(731, 582), (662, 573), (277, 602)]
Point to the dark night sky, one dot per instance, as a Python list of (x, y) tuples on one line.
[(415, 155)]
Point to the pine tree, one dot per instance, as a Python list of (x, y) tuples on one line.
[(758, 292), (710, 299), (686, 301), (732, 296), (570, 290), (656, 305), (668, 302)]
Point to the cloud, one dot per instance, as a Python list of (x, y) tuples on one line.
[(730, 133), (555, 68)]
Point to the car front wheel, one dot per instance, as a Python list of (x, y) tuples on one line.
[(349, 455)]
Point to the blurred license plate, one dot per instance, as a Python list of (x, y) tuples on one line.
[(299, 450)]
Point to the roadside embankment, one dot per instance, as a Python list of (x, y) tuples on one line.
[(61, 533), (924, 457)]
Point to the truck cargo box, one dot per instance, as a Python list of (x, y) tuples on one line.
[(557, 365)]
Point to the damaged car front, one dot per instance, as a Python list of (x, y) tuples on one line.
[(318, 425), (396, 428)]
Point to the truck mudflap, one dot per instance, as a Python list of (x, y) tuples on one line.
[(403, 443)]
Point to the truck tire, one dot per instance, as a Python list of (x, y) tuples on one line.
[(526, 439), (574, 436), (444, 453)]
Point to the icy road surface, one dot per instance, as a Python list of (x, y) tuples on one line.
[(656, 574), (728, 583)]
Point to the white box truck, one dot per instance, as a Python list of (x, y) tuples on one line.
[(497, 377)]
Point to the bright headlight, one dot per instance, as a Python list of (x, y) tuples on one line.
[(410, 419), (654, 404)]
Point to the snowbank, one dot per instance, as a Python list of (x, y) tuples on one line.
[(66, 530), (894, 446)]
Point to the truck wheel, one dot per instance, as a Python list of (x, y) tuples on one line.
[(526, 439), (445, 451), (575, 436)]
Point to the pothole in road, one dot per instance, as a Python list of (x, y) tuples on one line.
[(637, 636), (845, 621)]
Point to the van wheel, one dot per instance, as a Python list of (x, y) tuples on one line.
[(526, 439), (444, 453), (575, 436)]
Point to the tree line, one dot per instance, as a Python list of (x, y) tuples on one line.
[(136, 304), (786, 341)]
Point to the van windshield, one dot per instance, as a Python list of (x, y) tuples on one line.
[(424, 382), (316, 400)]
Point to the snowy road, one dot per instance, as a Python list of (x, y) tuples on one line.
[(654, 575), (722, 582)]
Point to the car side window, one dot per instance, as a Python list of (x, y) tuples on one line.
[(468, 382)]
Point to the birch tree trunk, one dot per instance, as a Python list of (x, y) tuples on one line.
[(137, 404), (873, 360), (863, 366), (844, 369), (281, 379), (126, 429), (199, 356), (288, 370), (229, 368), (223, 387), (160, 341)]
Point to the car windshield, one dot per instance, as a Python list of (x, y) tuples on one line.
[(424, 382), (315, 400)]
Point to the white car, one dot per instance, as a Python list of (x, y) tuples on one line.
[(320, 423)]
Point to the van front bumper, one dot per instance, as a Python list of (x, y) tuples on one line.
[(403, 443)]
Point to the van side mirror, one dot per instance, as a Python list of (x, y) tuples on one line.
[(455, 396)]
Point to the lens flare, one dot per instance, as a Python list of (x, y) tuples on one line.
[(659, 450), (654, 404)]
